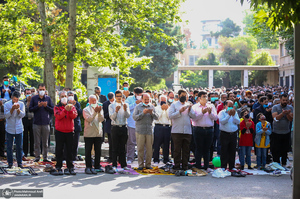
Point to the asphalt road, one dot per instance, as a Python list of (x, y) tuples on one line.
[(152, 186)]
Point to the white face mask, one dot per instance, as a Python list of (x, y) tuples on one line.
[(70, 98), (138, 97), (94, 105), (64, 100), (41, 93)]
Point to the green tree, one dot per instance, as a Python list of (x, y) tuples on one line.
[(236, 51), (266, 38), (194, 79), (41, 34), (259, 77), (164, 61), (229, 29)]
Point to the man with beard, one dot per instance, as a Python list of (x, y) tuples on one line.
[(282, 115)]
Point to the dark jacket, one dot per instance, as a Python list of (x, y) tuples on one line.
[(102, 99), (262, 110), (41, 114), (107, 124), (10, 88), (77, 122)]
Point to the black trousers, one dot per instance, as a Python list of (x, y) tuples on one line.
[(119, 136), (203, 139), (228, 149), (162, 135), (281, 144), (28, 137), (62, 139), (2, 137), (89, 142), (181, 149), (109, 144)]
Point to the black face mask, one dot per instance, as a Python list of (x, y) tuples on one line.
[(182, 98), (247, 116), (162, 103)]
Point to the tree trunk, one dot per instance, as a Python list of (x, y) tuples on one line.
[(71, 43), (48, 68), (226, 80)]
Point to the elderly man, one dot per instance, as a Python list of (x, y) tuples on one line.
[(162, 130), (203, 128), (118, 113), (42, 107), (144, 114), (64, 114), (132, 101), (229, 121), (102, 98), (93, 118), (281, 138), (181, 113), (14, 111)]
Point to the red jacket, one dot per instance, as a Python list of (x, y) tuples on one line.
[(64, 120), (246, 139)]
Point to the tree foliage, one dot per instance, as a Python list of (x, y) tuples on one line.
[(102, 29), (164, 61), (266, 38), (229, 29), (259, 77)]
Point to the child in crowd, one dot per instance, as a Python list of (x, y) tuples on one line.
[(262, 140), (246, 139)]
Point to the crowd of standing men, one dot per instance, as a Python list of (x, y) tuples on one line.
[(197, 120)]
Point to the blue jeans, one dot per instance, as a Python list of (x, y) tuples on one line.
[(19, 147), (261, 155), (245, 150)]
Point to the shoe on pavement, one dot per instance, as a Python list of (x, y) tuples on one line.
[(67, 171), (140, 168), (243, 167), (88, 171), (209, 170), (114, 169), (72, 171), (126, 168), (20, 165), (249, 167), (93, 171), (54, 172)]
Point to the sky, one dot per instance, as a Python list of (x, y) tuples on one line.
[(197, 10)]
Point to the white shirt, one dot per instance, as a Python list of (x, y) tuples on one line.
[(228, 123), (163, 117)]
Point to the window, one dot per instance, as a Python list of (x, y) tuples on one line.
[(281, 81), (287, 81), (193, 59), (209, 41), (292, 81)]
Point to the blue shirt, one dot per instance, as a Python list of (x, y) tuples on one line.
[(41, 114), (14, 123), (131, 101), (6, 94)]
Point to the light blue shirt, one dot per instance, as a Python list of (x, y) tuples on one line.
[(228, 123), (14, 123), (6, 94), (131, 102)]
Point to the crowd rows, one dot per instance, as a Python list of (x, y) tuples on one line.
[(197, 120)]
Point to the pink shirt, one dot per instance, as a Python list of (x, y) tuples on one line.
[(204, 120)]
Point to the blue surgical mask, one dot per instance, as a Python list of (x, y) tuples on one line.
[(145, 104), (27, 96), (213, 99), (5, 83), (265, 106), (238, 96), (125, 88), (196, 97), (170, 100), (229, 108)]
